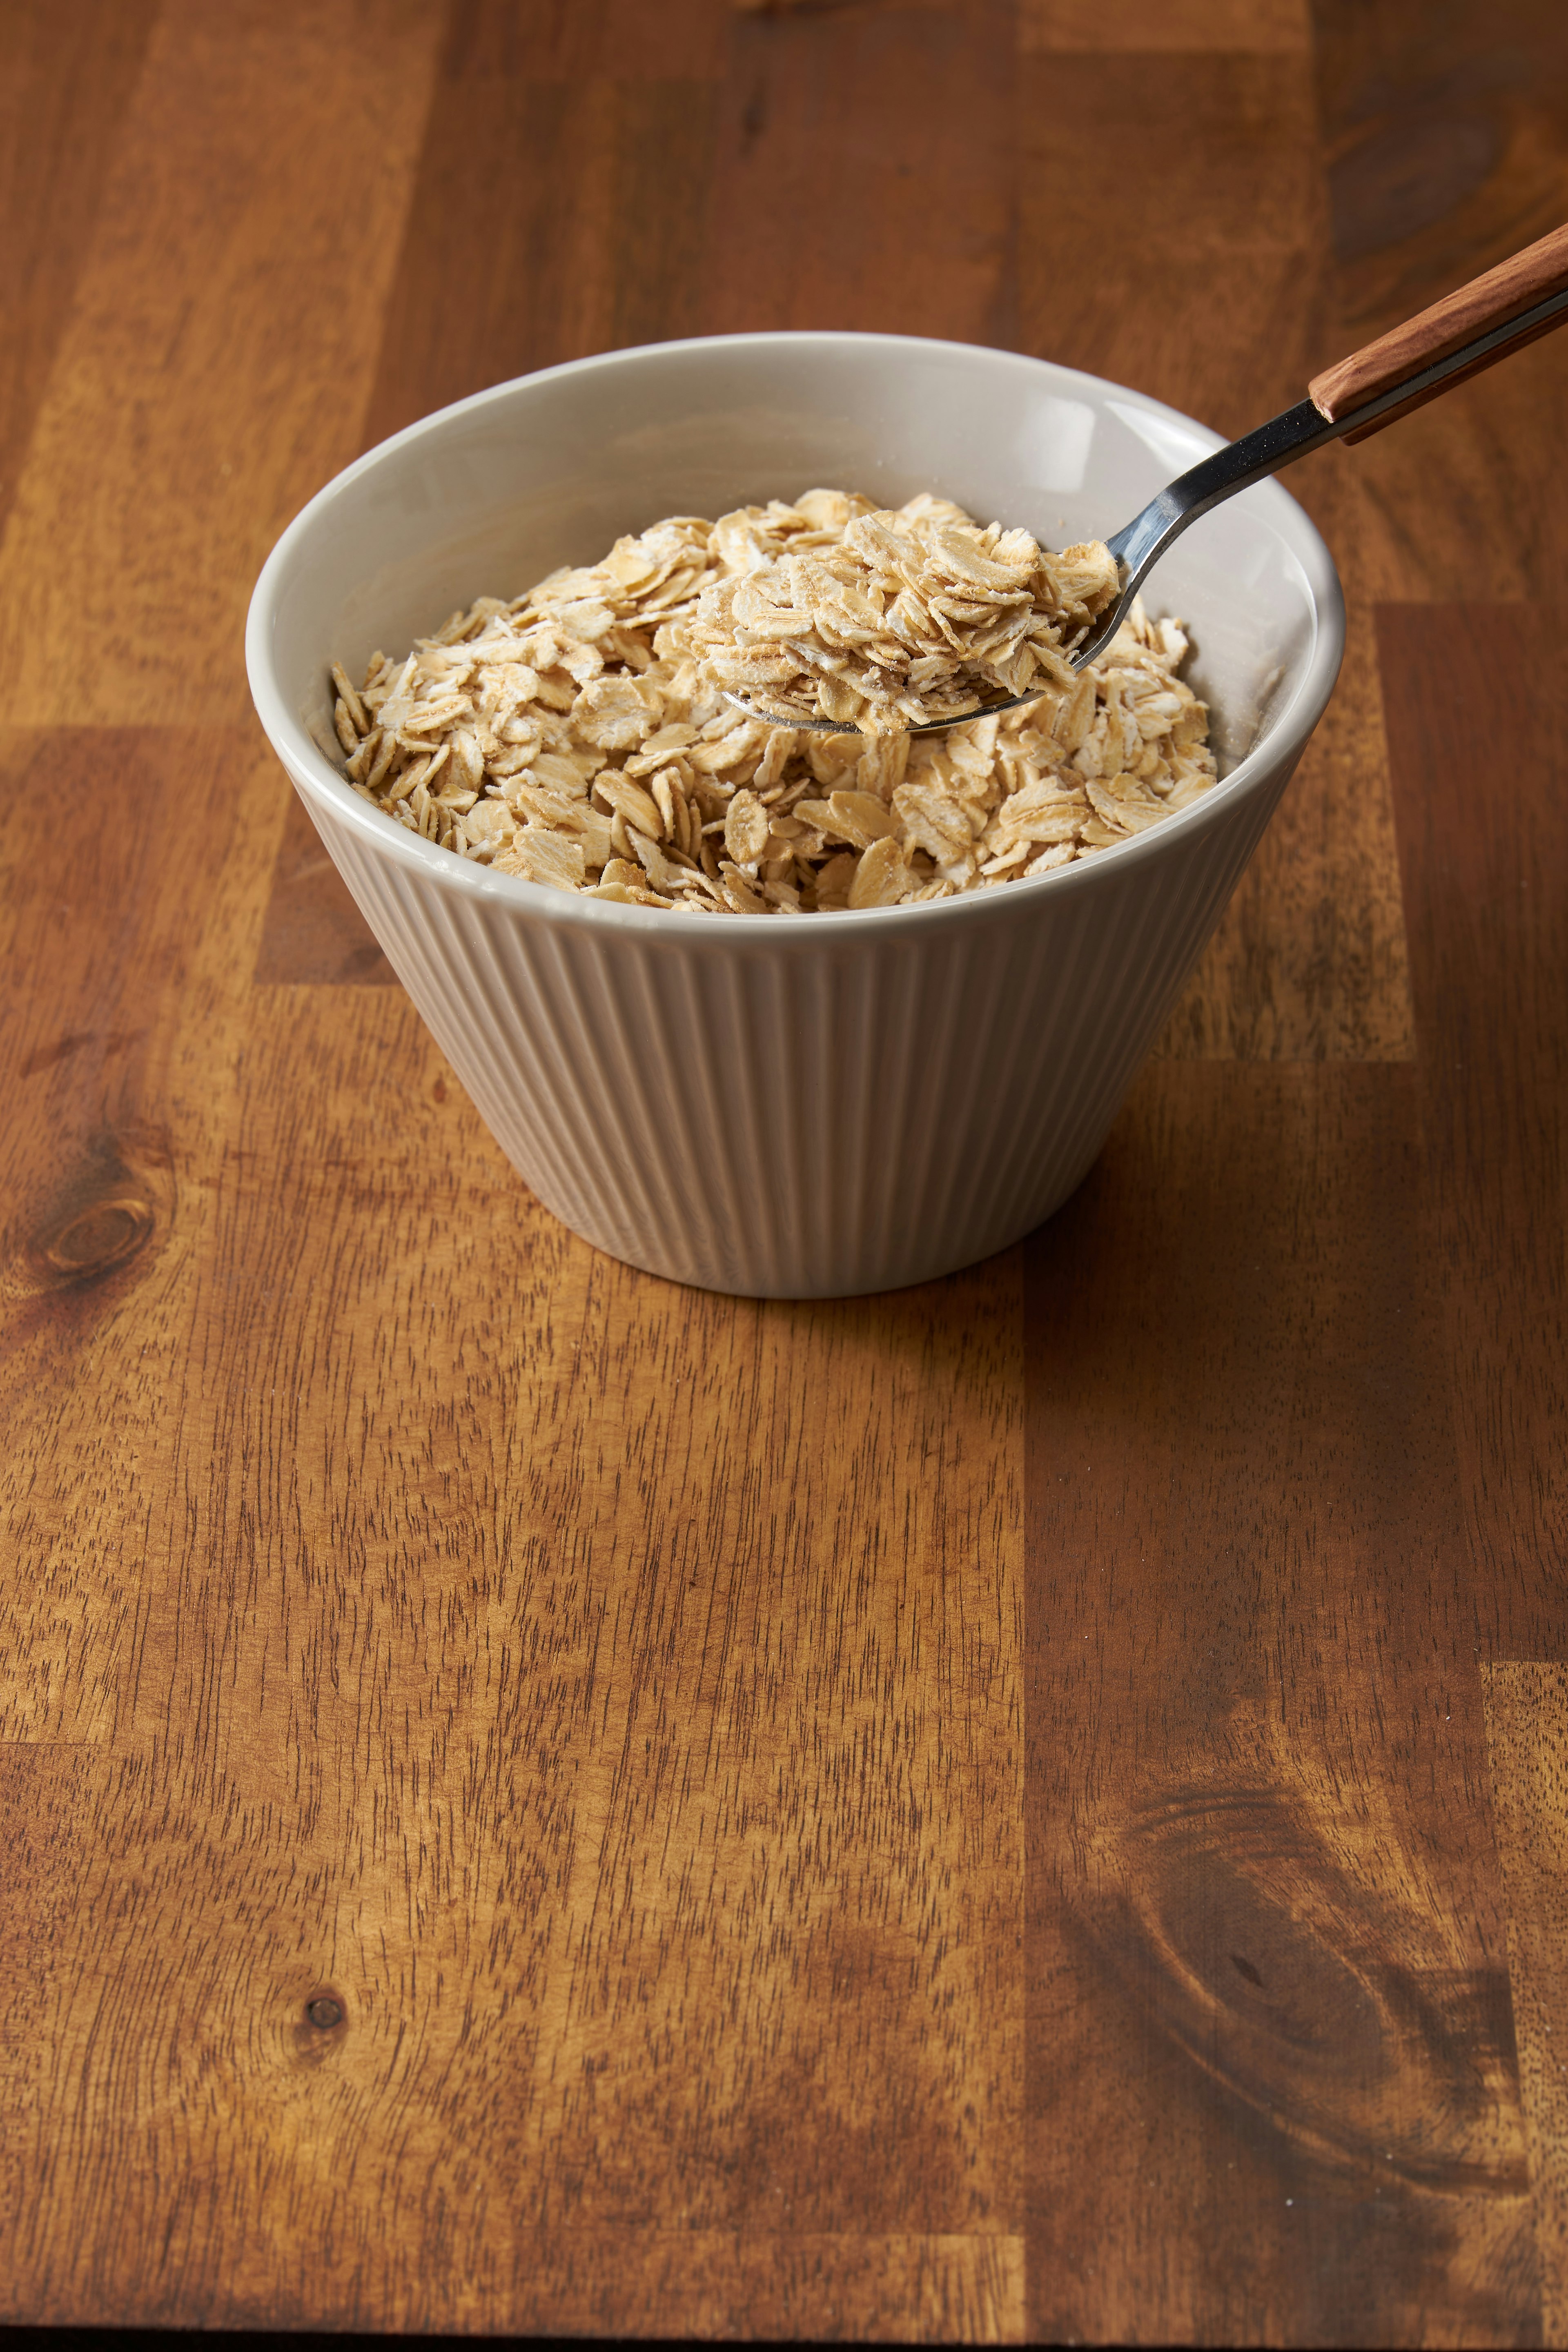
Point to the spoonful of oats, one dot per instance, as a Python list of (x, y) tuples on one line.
[(912, 619), (901, 620)]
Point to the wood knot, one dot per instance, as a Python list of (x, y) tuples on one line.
[(103, 1216), (320, 2026), (92, 1240), (1244, 1923)]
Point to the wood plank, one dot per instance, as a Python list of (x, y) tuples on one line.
[(1272, 2086), (611, 1697), (628, 210), (632, 210), (681, 1871), (119, 1073), (593, 206), (759, 2285), (1477, 715), (43, 1862), (1526, 1731), (864, 172), (1163, 27), (1214, 302), (1212, 299), (214, 370), (1442, 135), (557, 42), (67, 85), (1494, 534), (1310, 963)]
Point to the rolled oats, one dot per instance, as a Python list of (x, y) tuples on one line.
[(910, 615), (578, 735)]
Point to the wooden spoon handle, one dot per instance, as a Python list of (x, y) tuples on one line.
[(1514, 286)]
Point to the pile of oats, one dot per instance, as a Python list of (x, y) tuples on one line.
[(576, 736), (886, 619)]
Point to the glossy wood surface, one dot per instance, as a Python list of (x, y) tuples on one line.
[(533, 1800)]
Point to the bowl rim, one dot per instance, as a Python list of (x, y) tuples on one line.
[(318, 780)]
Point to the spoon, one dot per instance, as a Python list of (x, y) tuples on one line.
[(1499, 312)]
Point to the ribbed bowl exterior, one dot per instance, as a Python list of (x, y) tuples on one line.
[(804, 1117), (812, 1106)]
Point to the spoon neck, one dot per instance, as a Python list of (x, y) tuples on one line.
[(1220, 476)]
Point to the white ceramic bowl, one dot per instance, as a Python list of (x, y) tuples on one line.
[(815, 1106)]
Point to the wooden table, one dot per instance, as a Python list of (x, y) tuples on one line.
[(1030, 1807)]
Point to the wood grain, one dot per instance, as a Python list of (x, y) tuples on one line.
[(1214, 304), (1477, 716), (43, 1788), (560, 43), (806, 2135), (1527, 1730), (1445, 143), (772, 1883), (1162, 27), (1309, 961), (864, 176), (1272, 2083), (69, 80), (121, 1069), (493, 1655), (1491, 534), (708, 211), (1229, 142), (570, 262), (1445, 139), (213, 372)]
